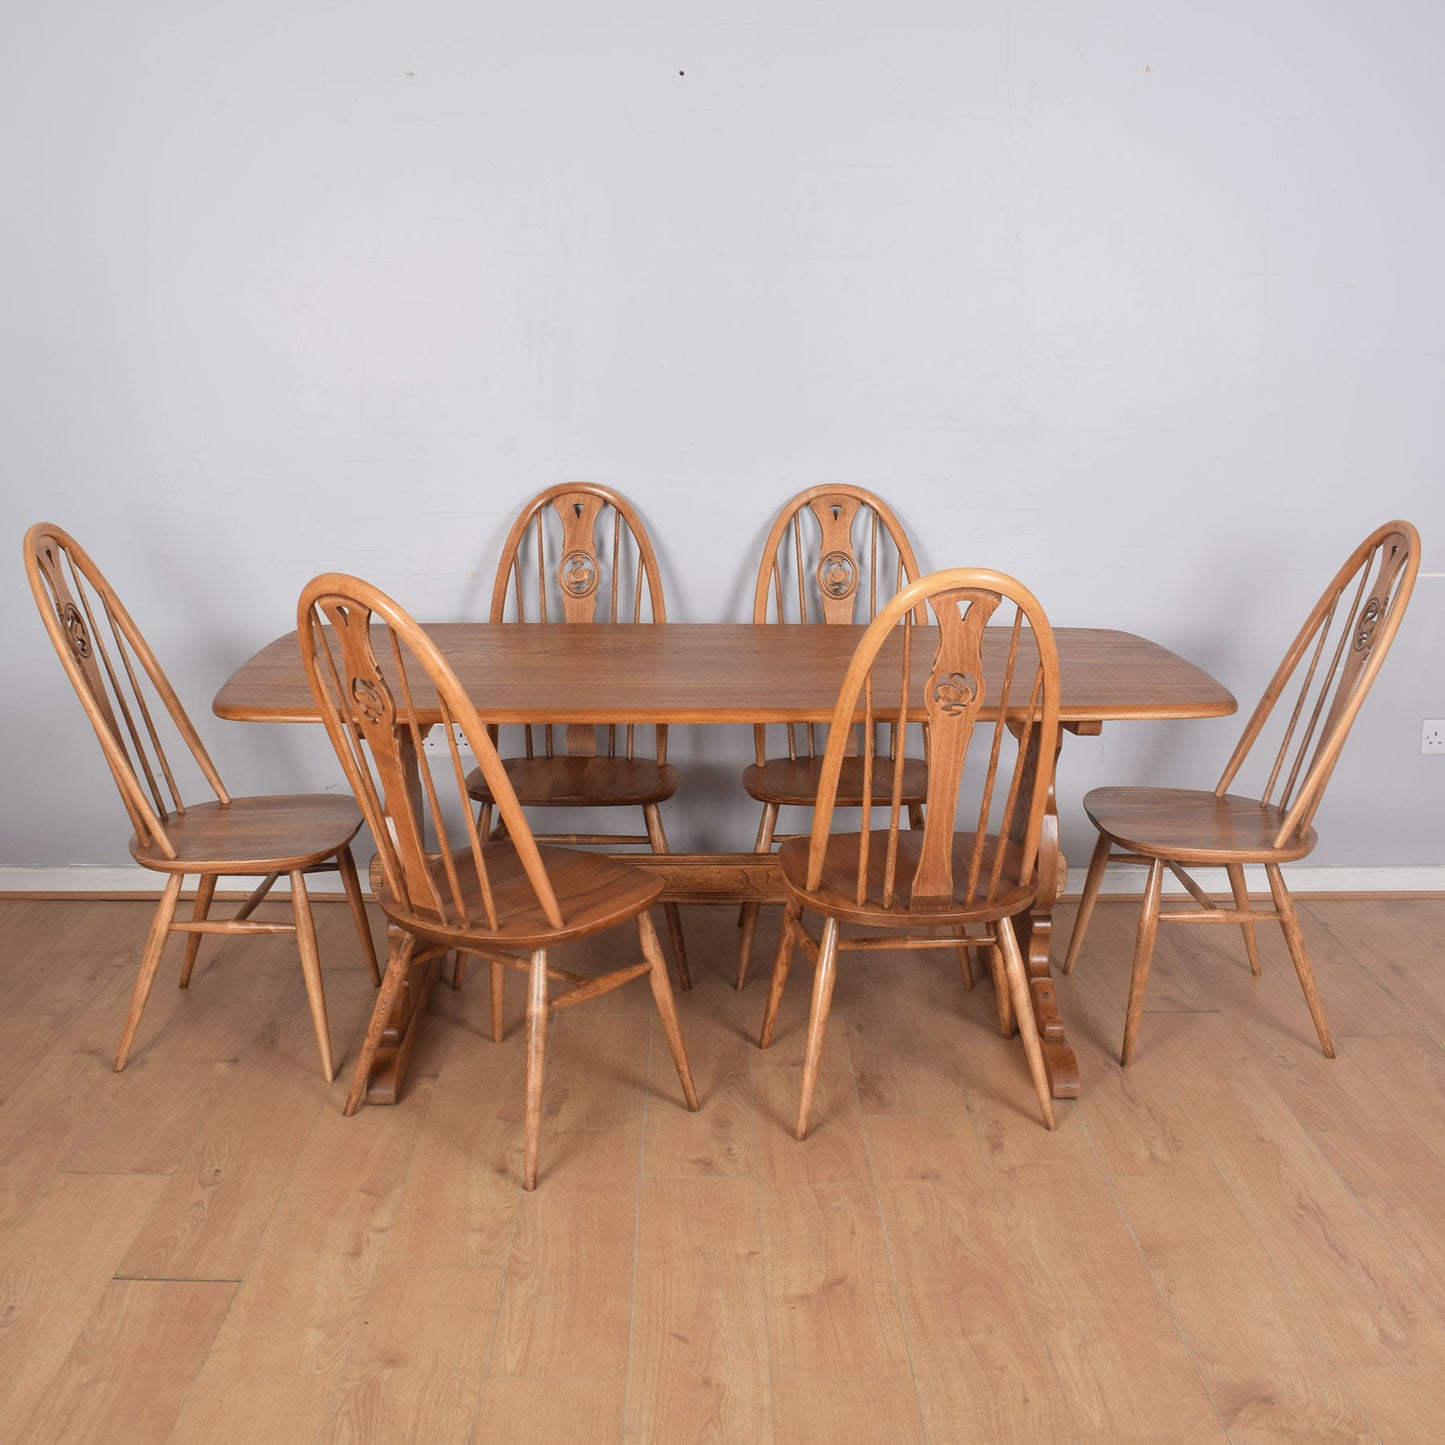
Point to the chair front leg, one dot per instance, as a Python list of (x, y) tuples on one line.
[(823, 982), (1143, 954), (346, 866), (666, 1006), (748, 914), (965, 957), (205, 892), (311, 970), (1001, 994), (150, 961), (658, 839), (1240, 890), (1098, 860), (1018, 983), (499, 997), (781, 964), (1295, 939), (537, 1016)]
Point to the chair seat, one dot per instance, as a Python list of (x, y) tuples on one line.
[(1193, 826), (593, 891), (573, 782), (836, 893), (254, 835), (794, 781)]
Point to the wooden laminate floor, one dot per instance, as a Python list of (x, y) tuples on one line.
[(1234, 1240)]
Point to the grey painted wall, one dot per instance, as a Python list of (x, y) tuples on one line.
[(1143, 304)]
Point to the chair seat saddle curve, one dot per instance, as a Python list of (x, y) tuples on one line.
[(135, 711), (446, 884), (1292, 742), (834, 554), (926, 886), (579, 553)]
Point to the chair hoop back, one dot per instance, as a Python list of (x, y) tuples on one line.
[(579, 553), (376, 675), (1317, 690), (120, 683), (834, 554), (979, 689)]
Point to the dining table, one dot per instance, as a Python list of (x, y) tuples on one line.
[(710, 673)]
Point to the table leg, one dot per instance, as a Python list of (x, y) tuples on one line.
[(393, 1054), (1035, 931)]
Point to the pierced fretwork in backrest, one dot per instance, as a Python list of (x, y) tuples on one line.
[(131, 705), (984, 680), (835, 554), (579, 553), (375, 676), (1312, 700)]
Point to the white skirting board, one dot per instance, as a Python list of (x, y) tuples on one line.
[(1118, 880)]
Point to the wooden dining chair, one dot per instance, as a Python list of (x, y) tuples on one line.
[(1289, 748), (579, 553), (986, 684), (136, 714), (835, 554), (446, 885)]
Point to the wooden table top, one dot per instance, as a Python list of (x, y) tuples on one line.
[(716, 672)]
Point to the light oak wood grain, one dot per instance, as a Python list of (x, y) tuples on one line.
[(40, 1125), (1365, 1304), (1400, 1183), (264, 1404), (1197, 1253), (220, 1197), (542, 1412), (414, 1369), (698, 1362), (1099, 1274), (983, 1372), (1409, 1071), (55, 1266), (1386, 938), (566, 1309), (302, 1298), (862, 1412), (128, 1372), (720, 1141), (1403, 1404), (1268, 1378), (830, 1304), (60, 993)]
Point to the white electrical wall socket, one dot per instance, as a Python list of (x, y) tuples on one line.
[(435, 743), (1432, 735)]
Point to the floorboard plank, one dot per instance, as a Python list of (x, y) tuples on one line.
[(1235, 1238), (134, 1361)]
